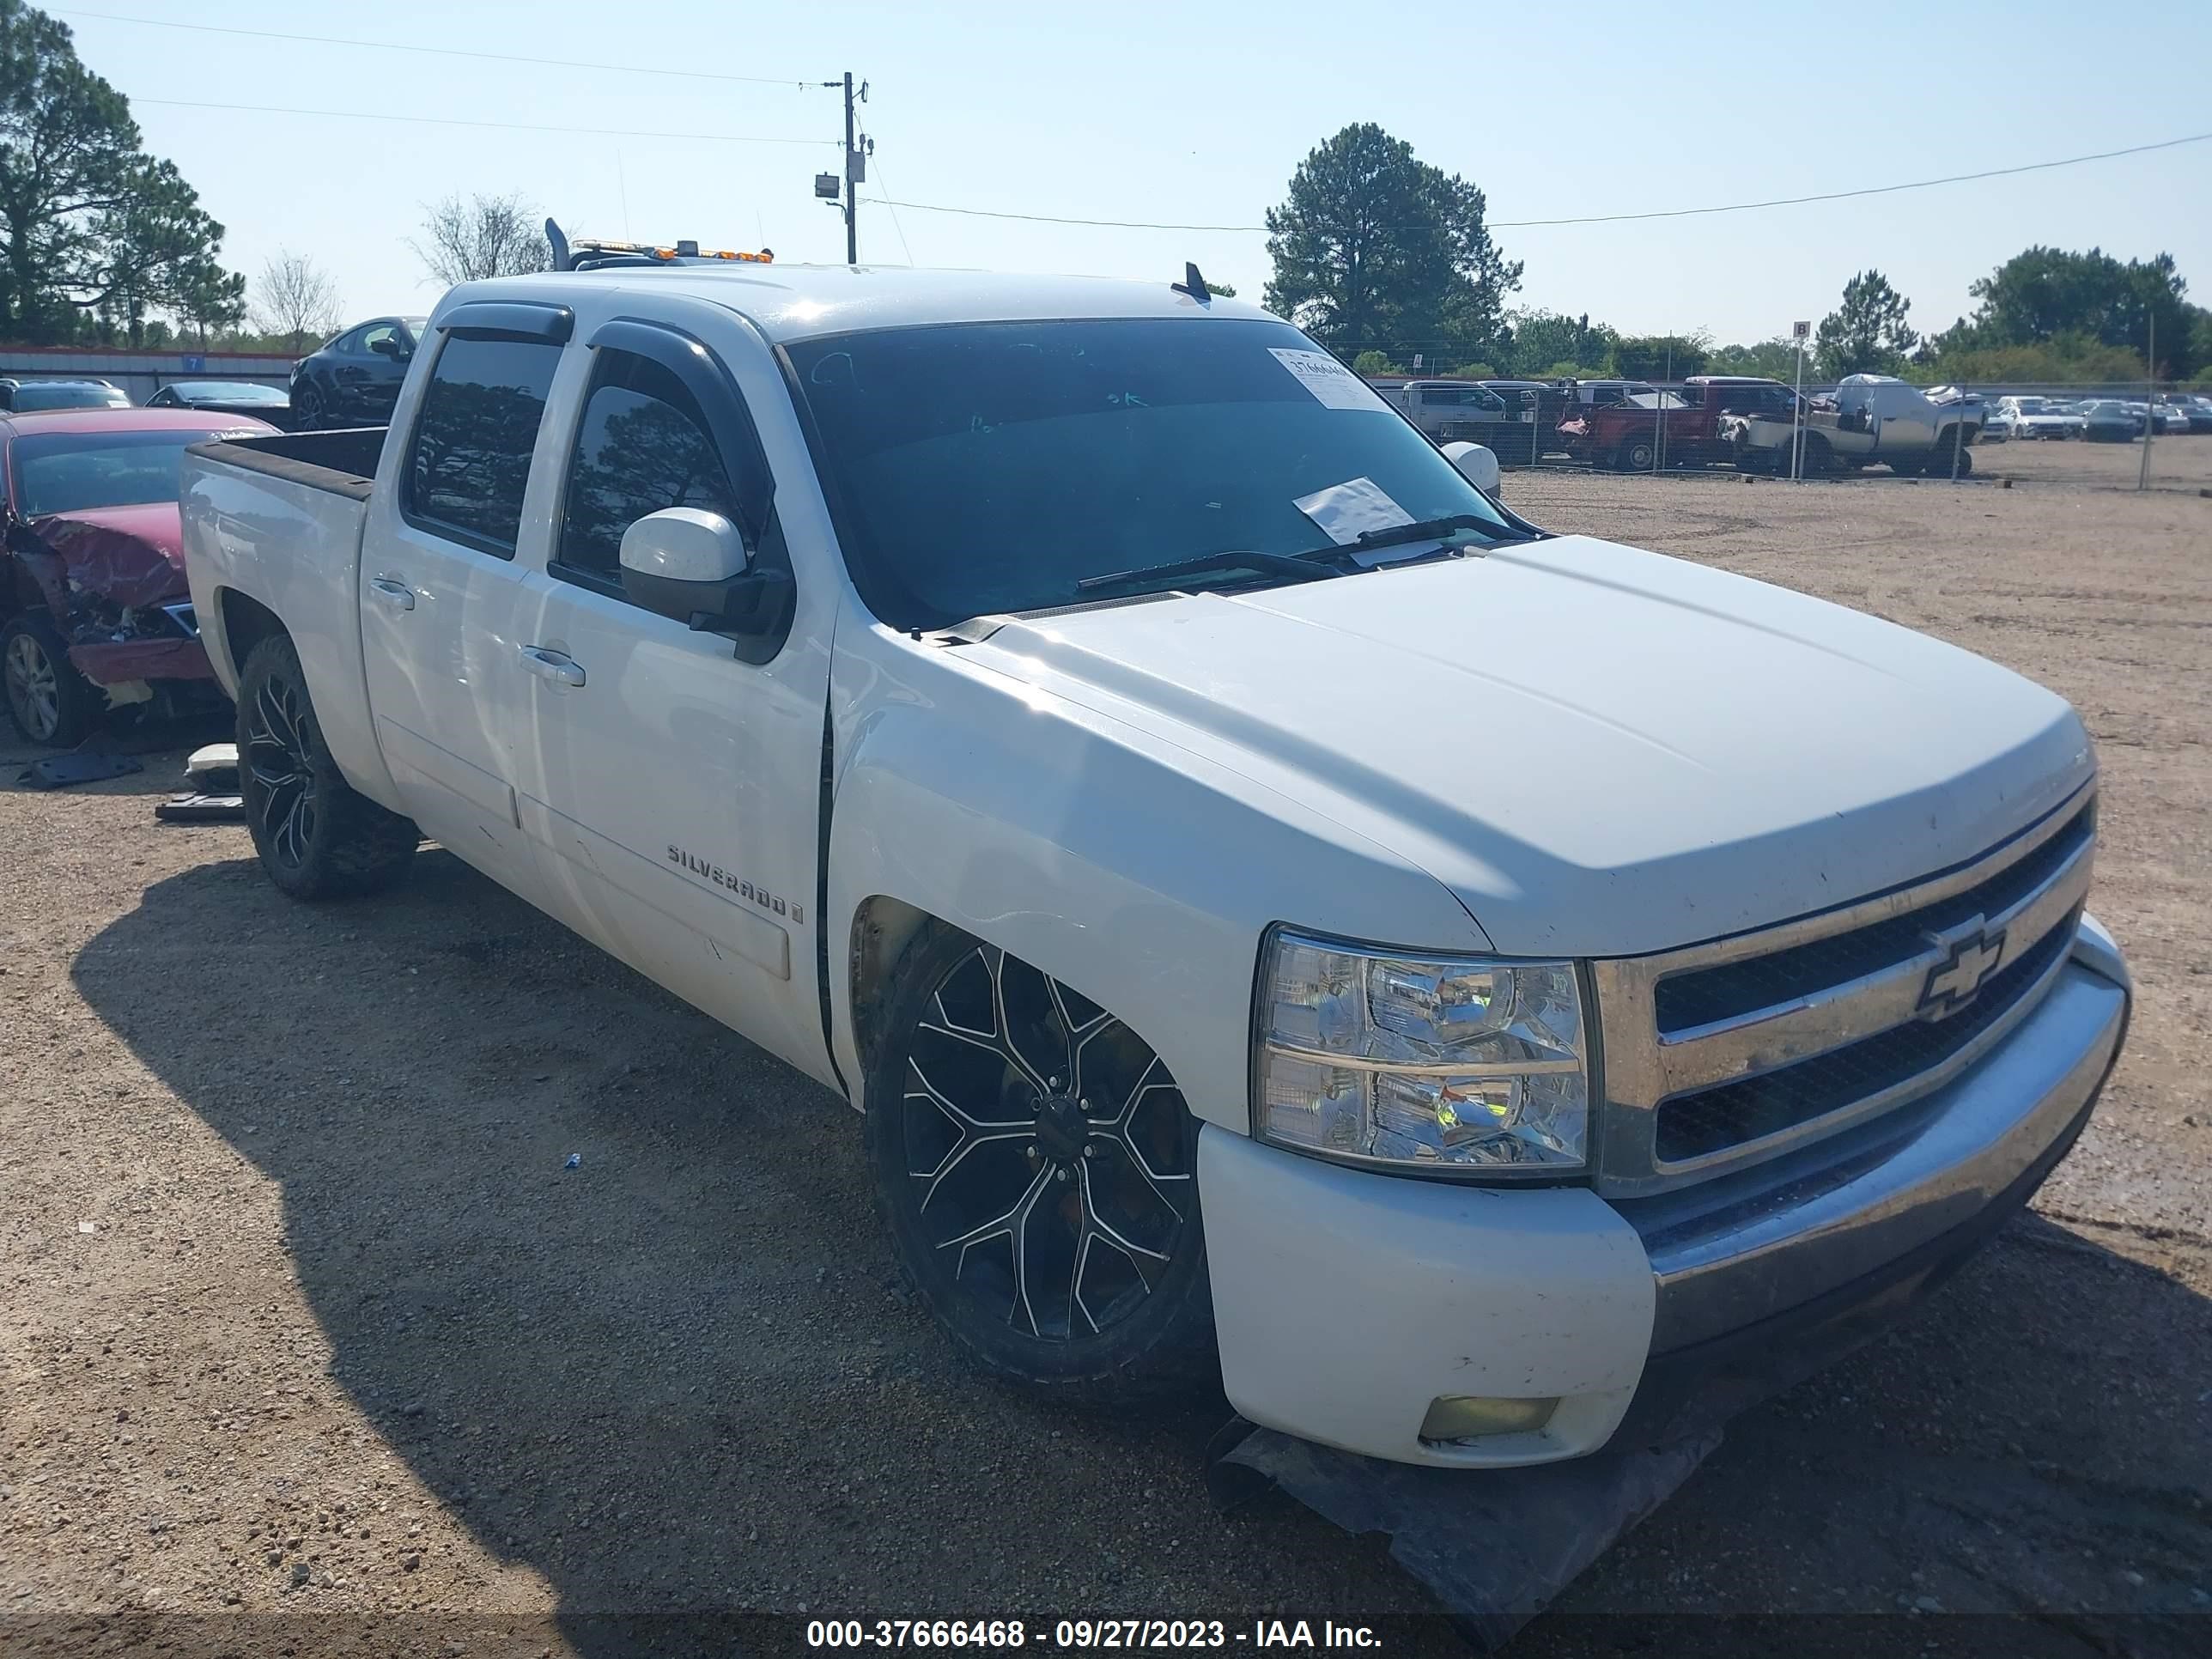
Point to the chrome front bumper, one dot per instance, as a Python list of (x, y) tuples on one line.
[(1732, 1254)]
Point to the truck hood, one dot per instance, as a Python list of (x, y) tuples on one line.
[(129, 556), (1600, 751)]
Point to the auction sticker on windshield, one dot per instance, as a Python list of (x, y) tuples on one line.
[(1330, 381), (1347, 511)]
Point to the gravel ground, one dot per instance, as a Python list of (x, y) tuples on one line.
[(305, 1314)]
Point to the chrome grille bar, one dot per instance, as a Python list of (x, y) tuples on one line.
[(1645, 1067)]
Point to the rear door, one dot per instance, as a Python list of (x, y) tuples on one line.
[(672, 779), (441, 588)]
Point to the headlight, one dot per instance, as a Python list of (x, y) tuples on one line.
[(1372, 1056)]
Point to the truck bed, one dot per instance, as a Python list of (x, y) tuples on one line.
[(272, 527), (342, 462)]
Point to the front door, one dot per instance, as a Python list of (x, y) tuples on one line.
[(672, 787), (440, 593)]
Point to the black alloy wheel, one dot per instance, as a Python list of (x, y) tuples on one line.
[(281, 792), (1038, 1167)]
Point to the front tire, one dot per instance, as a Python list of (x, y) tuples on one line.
[(1636, 455), (318, 837), (49, 700), (1037, 1168)]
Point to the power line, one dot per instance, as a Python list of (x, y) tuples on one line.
[(502, 126), (439, 52), (1593, 218), (896, 225)]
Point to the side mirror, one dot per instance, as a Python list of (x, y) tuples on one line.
[(1476, 464), (694, 568), (385, 345)]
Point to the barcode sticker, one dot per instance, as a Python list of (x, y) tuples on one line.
[(1329, 381)]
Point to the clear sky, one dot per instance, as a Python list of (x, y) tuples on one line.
[(1198, 113)]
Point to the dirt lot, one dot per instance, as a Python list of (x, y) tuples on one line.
[(305, 1314), (2177, 461)]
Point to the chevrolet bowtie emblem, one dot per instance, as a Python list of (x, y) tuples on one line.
[(1970, 956)]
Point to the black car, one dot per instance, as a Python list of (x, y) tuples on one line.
[(354, 380), (29, 397), (263, 402)]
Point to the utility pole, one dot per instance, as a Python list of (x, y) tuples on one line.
[(841, 188), (852, 195), (2150, 401)]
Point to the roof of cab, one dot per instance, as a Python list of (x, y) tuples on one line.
[(794, 303)]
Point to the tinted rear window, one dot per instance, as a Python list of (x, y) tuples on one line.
[(469, 462)]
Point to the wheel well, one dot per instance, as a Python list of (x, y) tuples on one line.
[(245, 623), (882, 929)]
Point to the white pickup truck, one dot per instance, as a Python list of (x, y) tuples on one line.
[(1276, 909)]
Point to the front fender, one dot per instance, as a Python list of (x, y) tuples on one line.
[(1132, 871)]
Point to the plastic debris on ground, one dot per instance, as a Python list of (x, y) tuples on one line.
[(58, 771), (575, 1161), (214, 797)]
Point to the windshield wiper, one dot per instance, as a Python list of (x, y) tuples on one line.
[(1305, 565), (1396, 535), (1298, 567)]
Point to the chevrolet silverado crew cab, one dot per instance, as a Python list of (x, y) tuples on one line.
[(1277, 911)]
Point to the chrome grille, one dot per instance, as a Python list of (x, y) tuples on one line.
[(1722, 1053)]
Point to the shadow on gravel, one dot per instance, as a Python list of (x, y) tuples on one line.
[(678, 1376)]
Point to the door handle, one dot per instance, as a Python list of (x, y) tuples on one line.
[(396, 594), (552, 665)]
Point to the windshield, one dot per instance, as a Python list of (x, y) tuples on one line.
[(992, 466), (58, 394), (235, 392), (69, 472)]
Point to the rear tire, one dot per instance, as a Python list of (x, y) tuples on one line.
[(318, 837), (49, 701), (1819, 460), (1939, 461), (308, 413), (1634, 456), (1036, 1167)]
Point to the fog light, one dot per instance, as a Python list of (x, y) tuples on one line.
[(1467, 1416)]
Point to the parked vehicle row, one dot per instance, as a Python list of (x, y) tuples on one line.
[(252, 397), (1757, 424), (2108, 420)]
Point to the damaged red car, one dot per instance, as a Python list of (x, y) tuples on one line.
[(94, 611)]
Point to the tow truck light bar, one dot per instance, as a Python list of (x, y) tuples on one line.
[(591, 252)]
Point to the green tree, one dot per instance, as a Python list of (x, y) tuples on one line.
[(1868, 333), (1374, 362), (1541, 340), (2044, 293), (1659, 356), (2073, 359), (1776, 359), (1374, 249), (88, 223)]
